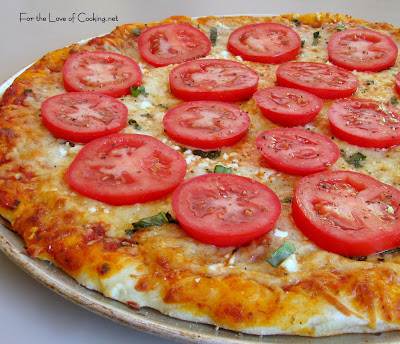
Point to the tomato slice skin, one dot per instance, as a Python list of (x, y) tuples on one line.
[(123, 169), (172, 43), (323, 80), (105, 72), (297, 151), (206, 124), (365, 122), (213, 79), (265, 42), (347, 213), (83, 116), (363, 50), (288, 106), (225, 209)]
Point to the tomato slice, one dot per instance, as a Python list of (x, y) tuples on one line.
[(172, 43), (362, 49), (323, 80), (288, 106), (225, 209), (397, 83), (348, 213), (83, 116), (108, 73), (206, 124), (125, 169), (265, 42), (365, 122), (220, 80), (297, 151)]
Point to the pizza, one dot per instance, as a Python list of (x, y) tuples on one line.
[(241, 172)]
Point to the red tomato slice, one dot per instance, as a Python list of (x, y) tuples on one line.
[(206, 124), (288, 106), (225, 209), (83, 116), (362, 49), (323, 80), (297, 151), (125, 169), (172, 43), (365, 122), (265, 42), (220, 80), (397, 83), (348, 213), (108, 73)]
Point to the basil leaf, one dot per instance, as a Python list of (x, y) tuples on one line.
[(222, 169), (287, 200), (156, 220), (136, 32), (360, 259), (395, 250), (340, 27), (316, 37), (296, 22), (213, 35), (281, 254), (135, 91), (356, 159), (394, 101), (133, 122), (207, 154)]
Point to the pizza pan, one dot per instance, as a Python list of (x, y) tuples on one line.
[(145, 319)]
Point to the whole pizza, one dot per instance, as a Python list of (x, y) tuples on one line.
[(235, 171)]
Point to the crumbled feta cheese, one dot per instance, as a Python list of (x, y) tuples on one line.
[(145, 105), (280, 234), (176, 148), (225, 156), (92, 209), (239, 58), (197, 280), (188, 151), (63, 151), (290, 264), (224, 54), (232, 260), (215, 267)]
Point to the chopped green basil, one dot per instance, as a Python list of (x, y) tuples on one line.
[(287, 199), (207, 154), (296, 22), (302, 43), (133, 122), (340, 27), (316, 37), (360, 259), (135, 91), (370, 82), (281, 254), (222, 169), (27, 90), (213, 35), (166, 107), (394, 101), (356, 159), (136, 32), (156, 220), (396, 250)]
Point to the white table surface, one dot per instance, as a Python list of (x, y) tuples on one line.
[(29, 312)]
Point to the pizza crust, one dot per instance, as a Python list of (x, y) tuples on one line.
[(314, 293)]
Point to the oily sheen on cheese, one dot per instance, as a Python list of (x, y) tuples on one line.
[(312, 293)]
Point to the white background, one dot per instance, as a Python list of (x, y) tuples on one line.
[(29, 312)]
